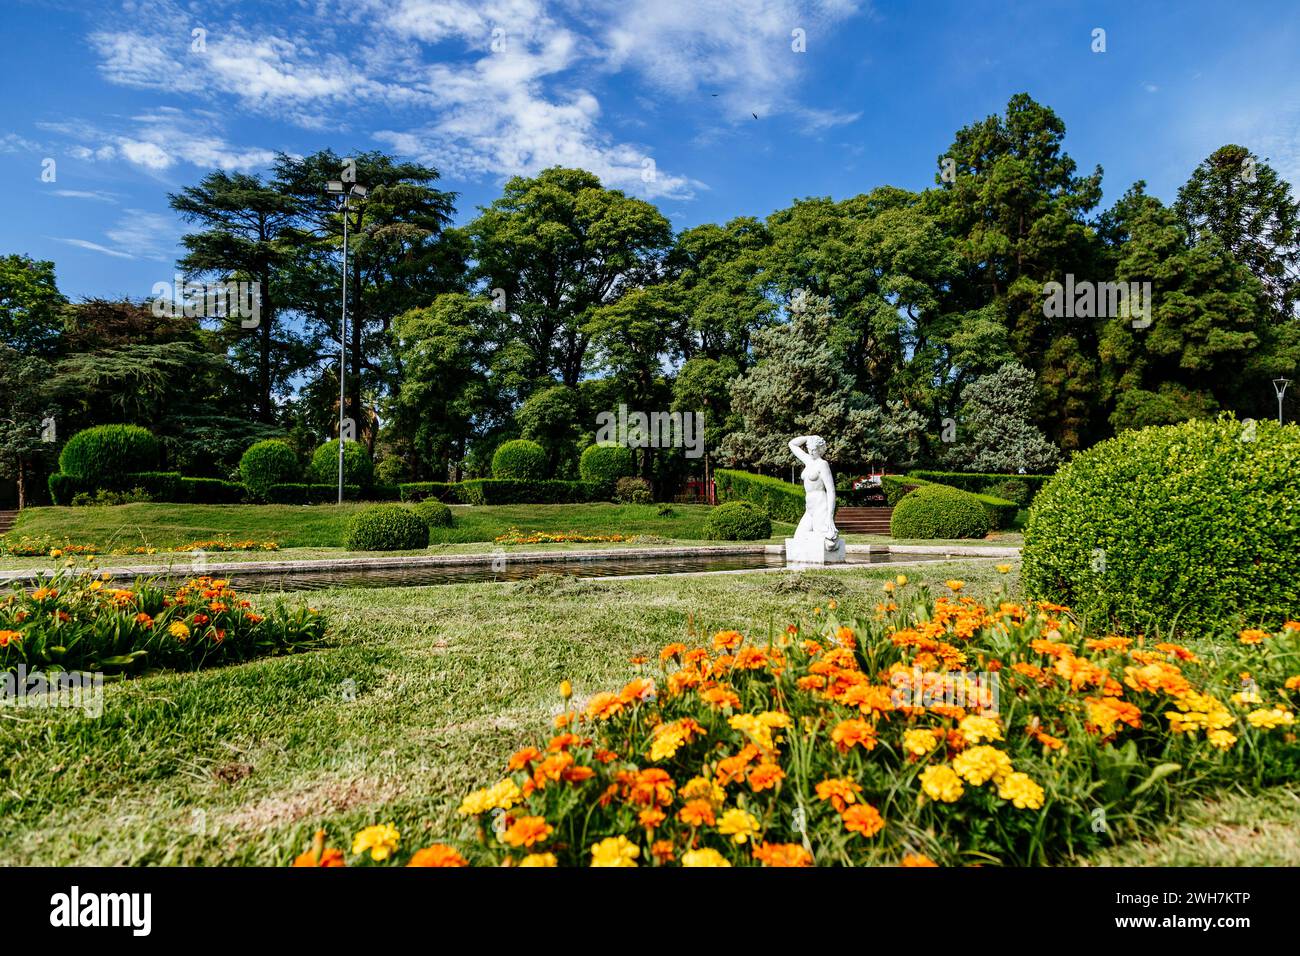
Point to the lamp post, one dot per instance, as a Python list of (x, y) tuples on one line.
[(335, 188), (1279, 386)]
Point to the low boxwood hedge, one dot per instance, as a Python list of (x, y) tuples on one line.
[(210, 491), (939, 511), (1191, 527), (298, 493), (158, 485), (737, 521), (386, 528), (490, 491), (781, 500), (986, 483), (444, 491)]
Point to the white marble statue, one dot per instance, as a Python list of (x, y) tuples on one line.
[(816, 539)]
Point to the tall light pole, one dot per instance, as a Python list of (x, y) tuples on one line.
[(335, 188), (1279, 386)]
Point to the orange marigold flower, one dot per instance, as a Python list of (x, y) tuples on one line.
[(765, 776), (563, 742), (782, 854), (1106, 712), (638, 689), (696, 813), (521, 759), (862, 818), (720, 696), (1252, 635), (604, 706), (1111, 643), (839, 791), (845, 637), (672, 650), (652, 787), (527, 831), (727, 640), (319, 854), (437, 855), (662, 850), (916, 859), (851, 733), (811, 682), (651, 817), (7, 636), (1178, 651)]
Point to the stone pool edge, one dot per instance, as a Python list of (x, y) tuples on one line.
[(256, 568)]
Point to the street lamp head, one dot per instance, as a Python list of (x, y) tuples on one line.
[(359, 191), (1280, 384), (334, 186)]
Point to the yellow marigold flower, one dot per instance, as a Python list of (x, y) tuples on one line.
[(942, 783), (1292, 683), (566, 689), (979, 764), (917, 860), (615, 851), (901, 579), (1221, 739), (975, 729), (758, 727), (380, 839), (539, 859), (179, 631), (1023, 793), (738, 825), (1252, 635), (438, 855), (702, 788), (499, 796), (1267, 718), (704, 857), (919, 742), (954, 585), (1002, 569), (526, 831)]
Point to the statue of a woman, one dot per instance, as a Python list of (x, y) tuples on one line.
[(819, 491)]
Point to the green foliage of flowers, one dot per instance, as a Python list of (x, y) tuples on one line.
[(77, 620), (1197, 521), (738, 521), (387, 528), (267, 463), (107, 452), (938, 511)]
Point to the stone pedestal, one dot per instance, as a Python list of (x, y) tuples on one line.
[(811, 549)]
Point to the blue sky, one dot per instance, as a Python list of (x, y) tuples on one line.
[(118, 96)]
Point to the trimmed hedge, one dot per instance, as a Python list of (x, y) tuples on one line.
[(106, 454), (737, 521), (378, 492), (604, 465), (444, 491), (1002, 513), (386, 528), (780, 499), (1194, 526), (433, 513), (940, 511), (210, 491), (490, 491), (358, 469), (298, 493), (985, 483), (519, 460), (266, 463), (159, 485)]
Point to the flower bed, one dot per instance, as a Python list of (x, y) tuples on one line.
[(27, 547), (77, 621), (938, 732), (515, 536)]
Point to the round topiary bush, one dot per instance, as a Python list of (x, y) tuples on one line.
[(107, 453), (267, 463), (433, 513), (939, 511), (520, 460), (1192, 525), (358, 469), (737, 521), (604, 465), (633, 491), (387, 528), (392, 471)]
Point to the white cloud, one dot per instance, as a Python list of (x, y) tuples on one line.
[(137, 235), (94, 247), (97, 195)]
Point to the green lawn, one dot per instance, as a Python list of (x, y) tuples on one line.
[(419, 694)]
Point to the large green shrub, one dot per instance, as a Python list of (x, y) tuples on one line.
[(519, 460), (987, 483), (107, 453), (604, 465), (433, 513), (358, 469), (267, 463), (1198, 522), (737, 521), (938, 511), (633, 491), (387, 528), (1001, 511), (781, 500)]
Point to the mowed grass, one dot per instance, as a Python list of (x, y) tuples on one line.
[(324, 526), (419, 696)]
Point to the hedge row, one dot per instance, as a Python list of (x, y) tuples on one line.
[(781, 500), (159, 485), (493, 491), (173, 488), (985, 483)]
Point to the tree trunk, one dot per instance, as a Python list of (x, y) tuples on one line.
[(22, 484), (267, 320)]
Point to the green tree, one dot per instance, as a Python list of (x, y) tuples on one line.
[(998, 416), (24, 404), (30, 306), (549, 417)]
